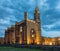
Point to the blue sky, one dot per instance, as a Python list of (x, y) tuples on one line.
[(13, 10)]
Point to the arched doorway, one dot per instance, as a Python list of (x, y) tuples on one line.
[(33, 36)]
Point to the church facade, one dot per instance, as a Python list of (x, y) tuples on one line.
[(28, 32)]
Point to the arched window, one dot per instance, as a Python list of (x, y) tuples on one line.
[(32, 31), (21, 29)]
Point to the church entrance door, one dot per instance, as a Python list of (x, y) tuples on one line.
[(33, 36)]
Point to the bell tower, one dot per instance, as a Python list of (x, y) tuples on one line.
[(37, 20), (37, 15)]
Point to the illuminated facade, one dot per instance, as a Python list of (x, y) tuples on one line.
[(50, 41), (28, 32)]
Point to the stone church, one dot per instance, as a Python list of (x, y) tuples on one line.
[(28, 32)]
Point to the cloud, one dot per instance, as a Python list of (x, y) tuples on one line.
[(2, 32), (43, 4), (3, 27), (58, 6), (48, 27), (4, 21), (50, 33), (13, 10), (7, 20), (52, 27)]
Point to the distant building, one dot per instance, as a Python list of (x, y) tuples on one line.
[(49, 41), (28, 32)]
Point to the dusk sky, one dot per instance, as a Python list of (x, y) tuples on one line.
[(13, 10)]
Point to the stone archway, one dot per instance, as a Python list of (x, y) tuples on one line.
[(32, 36)]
